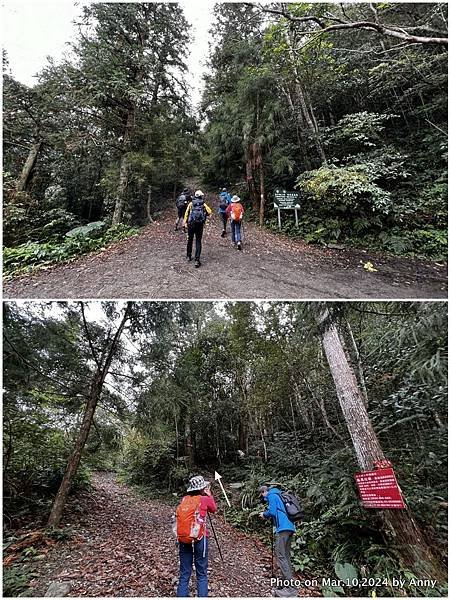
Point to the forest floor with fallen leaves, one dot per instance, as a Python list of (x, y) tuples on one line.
[(123, 545), (153, 265)]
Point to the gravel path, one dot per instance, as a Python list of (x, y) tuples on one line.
[(124, 546), (152, 265)]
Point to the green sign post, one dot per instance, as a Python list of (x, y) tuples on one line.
[(285, 200)]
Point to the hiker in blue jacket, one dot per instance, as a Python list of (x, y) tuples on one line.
[(284, 532), (224, 200)]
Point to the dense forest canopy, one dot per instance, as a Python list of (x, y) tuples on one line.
[(341, 101), (248, 389), (345, 102)]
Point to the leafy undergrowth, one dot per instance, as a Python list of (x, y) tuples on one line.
[(33, 256), (24, 549), (428, 243)]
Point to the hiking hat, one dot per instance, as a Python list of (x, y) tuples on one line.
[(236, 198), (224, 189), (199, 194), (197, 483)]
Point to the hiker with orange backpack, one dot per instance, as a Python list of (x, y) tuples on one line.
[(192, 535), (235, 212)]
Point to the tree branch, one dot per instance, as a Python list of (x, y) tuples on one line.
[(368, 25), (85, 325)]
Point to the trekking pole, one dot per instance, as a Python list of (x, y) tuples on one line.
[(215, 536), (272, 551)]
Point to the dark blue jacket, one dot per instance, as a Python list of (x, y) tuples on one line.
[(276, 511)]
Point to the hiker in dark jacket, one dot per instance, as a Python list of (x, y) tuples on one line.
[(181, 203), (284, 532), (200, 496), (196, 214)]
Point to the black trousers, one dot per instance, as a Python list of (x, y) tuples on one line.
[(224, 220), (195, 229)]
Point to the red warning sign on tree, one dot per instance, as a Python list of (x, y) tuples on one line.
[(379, 489)]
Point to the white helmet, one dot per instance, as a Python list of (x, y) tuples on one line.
[(199, 194)]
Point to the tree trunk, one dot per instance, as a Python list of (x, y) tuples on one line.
[(398, 525), (302, 100), (25, 176), (123, 170), (94, 396), (309, 121), (359, 365), (149, 201), (261, 219), (250, 177), (190, 443)]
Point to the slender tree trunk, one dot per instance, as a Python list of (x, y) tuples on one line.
[(25, 176), (149, 201), (302, 100), (265, 449), (124, 168), (250, 174), (399, 526), (190, 451), (331, 114), (303, 155), (259, 158), (94, 396), (309, 121), (294, 420), (176, 435), (9, 448)]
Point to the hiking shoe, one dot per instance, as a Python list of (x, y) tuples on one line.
[(239, 245), (189, 259), (223, 234), (197, 263)]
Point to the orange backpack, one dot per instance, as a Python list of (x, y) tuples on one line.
[(190, 525), (236, 211)]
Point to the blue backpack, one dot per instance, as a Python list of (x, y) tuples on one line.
[(223, 200)]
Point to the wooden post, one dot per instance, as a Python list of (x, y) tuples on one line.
[(296, 216), (279, 220)]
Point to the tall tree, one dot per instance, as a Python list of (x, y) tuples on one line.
[(399, 525), (103, 360), (130, 57)]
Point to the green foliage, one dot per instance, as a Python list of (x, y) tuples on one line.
[(36, 463), (32, 256), (150, 462), (364, 121), (93, 229), (347, 190), (15, 581), (362, 128), (242, 388)]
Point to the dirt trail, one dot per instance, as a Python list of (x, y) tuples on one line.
[(124, 546), (153, 265)]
